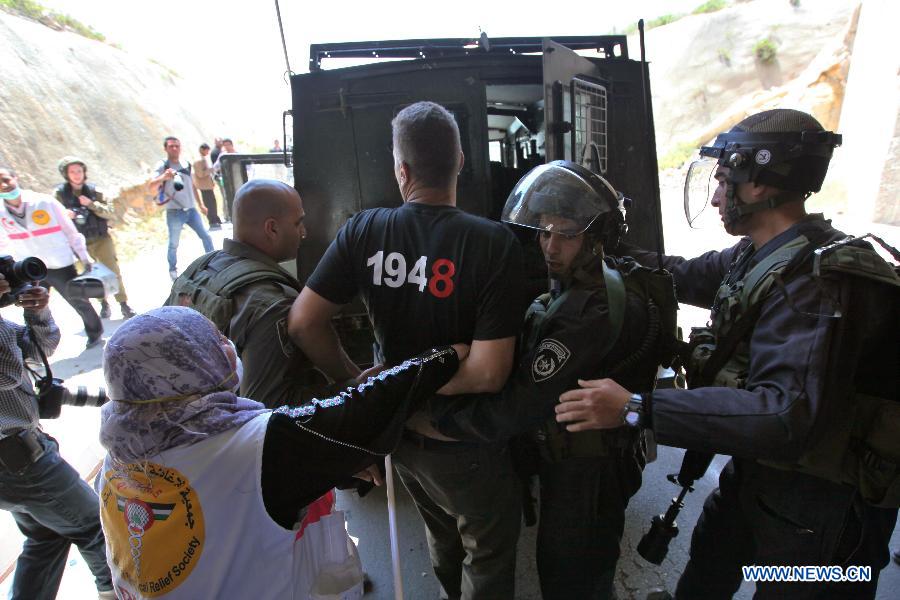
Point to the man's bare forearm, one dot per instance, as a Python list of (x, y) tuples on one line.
[(485, 370), (321, 344)]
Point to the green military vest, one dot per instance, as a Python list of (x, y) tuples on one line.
[(862, 451), (654, 287), (212, 293)]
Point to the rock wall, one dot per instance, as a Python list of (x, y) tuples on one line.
[(866, 165), (706, 74), (65, 94)]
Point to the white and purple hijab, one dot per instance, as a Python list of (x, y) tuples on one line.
[(169, 382)]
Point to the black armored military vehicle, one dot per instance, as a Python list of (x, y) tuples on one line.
[(519, 102)]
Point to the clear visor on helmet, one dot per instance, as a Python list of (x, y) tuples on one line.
[(555, 199), (700, 186)]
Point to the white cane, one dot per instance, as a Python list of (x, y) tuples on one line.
[(392, 527)]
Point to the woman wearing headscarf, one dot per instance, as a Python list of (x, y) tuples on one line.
[(200, 489)]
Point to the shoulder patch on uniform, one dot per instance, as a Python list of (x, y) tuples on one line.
[(284, 340), (550, 357)]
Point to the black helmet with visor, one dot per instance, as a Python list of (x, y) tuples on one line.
[(786, 149), (566, 198)]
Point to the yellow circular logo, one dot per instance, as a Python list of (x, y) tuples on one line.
[(154, 526), (41, 217)]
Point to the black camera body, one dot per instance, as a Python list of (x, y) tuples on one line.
[(52, 394), (20, 274), (81, 215)]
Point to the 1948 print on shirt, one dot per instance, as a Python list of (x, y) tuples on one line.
[(391, 271)]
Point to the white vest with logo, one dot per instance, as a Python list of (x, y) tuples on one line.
[(191, 523), (44, 236)]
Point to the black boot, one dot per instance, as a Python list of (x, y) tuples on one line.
[(127, 313), (105, 312)]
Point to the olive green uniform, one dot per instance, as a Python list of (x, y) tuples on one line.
[(254, 317)]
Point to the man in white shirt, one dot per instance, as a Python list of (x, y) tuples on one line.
[(176, 193)]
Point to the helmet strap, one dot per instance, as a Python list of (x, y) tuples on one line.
[(586, 270), (737, 210)]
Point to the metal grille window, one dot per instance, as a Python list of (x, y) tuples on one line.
[(590, 119)]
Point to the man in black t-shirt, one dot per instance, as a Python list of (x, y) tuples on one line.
[(431, 274)]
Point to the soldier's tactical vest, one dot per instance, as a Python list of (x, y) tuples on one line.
[(211, 293), (863, 450), (656, 288)]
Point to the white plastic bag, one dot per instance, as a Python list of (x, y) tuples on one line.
[(339, 580), (326, 562)]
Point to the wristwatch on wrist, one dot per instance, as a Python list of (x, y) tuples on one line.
[(633, 411)]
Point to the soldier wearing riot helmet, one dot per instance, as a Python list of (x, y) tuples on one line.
[(790, 381), (603, 317), (90, 212)]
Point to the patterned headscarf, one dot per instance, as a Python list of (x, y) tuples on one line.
[(169, 381)]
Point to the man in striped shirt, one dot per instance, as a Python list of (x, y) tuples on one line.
[(51, 504)]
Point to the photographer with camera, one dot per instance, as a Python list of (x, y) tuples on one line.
[(51, 504), (89, 211), (36, 225), (176, 193)]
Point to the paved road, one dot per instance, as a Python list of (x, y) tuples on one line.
[(367, 520)]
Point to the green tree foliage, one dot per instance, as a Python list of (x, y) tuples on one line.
[(765, 50), (662, 20), (37, 12), (710, 6)]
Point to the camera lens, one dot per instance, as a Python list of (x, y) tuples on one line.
[(177, 182), (30, 269), (83, 397)]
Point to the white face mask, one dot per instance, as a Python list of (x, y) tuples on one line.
[(239, 369)]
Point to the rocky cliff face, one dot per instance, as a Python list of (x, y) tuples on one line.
[(707, 73), (65, 94)]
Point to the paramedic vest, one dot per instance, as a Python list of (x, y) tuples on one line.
[(191, 523), (862, 451), (43, 235)]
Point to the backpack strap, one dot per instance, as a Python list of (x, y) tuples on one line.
[(615, 301), (238, 275), (212, 293), (849, 256), (726, 347), (767, 267)]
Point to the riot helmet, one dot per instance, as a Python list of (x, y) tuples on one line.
[(783, 148), (66, 162), (566, 198)]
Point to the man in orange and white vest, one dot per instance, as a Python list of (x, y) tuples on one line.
[(35, 224)]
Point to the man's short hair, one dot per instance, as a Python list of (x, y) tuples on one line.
[(8, 169), (426, 138), (227, 141), (169, 138), (204, 146)]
